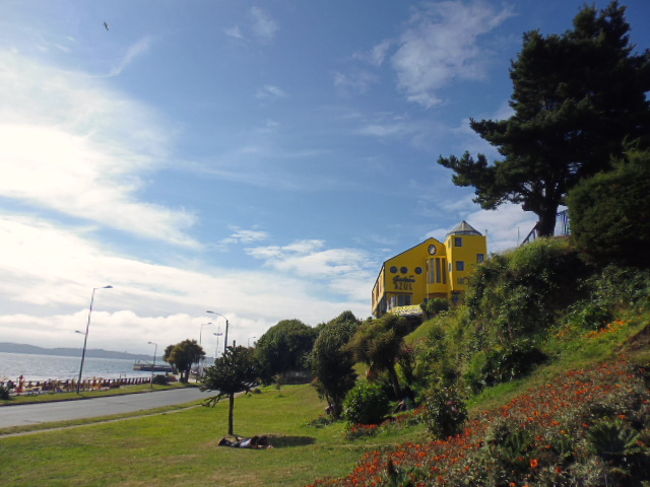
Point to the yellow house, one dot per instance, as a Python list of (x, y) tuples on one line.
[(431, 269)]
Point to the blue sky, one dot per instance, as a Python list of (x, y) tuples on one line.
[(261, 159)]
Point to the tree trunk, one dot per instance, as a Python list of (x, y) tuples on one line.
[(546, 223), (231, 410), (395, 382)]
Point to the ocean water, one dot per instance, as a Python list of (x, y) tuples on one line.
[(42, 367)]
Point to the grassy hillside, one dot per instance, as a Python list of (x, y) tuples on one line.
[(551, 356)]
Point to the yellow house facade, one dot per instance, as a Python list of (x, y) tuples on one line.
[(431, 269)]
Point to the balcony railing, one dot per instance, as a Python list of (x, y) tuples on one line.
[(562, 228)]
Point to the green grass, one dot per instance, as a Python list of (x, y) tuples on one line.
[(420, 333), (180, 449), (97, 419), (71, 396)]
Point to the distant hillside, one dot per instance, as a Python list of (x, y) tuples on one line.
[(69, 352)]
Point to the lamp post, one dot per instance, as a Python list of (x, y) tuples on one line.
[(153, 364), (201, 330), (83, 352), (200, 371), (216, 350), (225, 338)]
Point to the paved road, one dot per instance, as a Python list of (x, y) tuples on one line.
[(100, 406)]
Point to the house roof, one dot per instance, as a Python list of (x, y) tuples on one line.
[(463, 228)]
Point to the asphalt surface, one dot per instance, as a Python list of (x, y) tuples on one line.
[(100, 406)]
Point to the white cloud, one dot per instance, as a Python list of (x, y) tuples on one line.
[(264, 27), (386, 129), (242, 236), (134, 51), (346, 271), (52, 271), (235, 32), (440, 45), (93, 145), (270, 93), (358, 81)]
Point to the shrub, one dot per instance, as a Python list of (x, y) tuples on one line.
[(4, 392), (366, 403), (444, 412), (520, 294), (160, 379), (610, 213), (507, 451), (511, 362), (590, 315), (434, 306)]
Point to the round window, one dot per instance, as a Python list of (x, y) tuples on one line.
[(393, 269), (404, 270), (418, 270)]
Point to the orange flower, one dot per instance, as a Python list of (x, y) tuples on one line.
[(534, 463)]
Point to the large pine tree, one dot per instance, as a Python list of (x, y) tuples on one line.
[(576, 97)]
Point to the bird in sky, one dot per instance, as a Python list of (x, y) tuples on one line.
[(105, 26)]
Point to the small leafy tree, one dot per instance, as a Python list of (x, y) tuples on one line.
[(331, 365), (283, 347), (235, 371), (445, 412), (366, 403), (183, 355)]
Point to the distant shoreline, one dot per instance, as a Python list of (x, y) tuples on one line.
[(6, 347)]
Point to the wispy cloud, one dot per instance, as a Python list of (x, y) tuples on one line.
[(264, 27), (357, 81), (242, 236), (234, 32), (270, 93), (134, 51), (94, 144), (440, 44), (344, 270)]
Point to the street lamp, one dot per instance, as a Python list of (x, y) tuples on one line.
[(201, 330), (249, 341), (225, 341), (216, 350), (153, 365), (200, 371), (83, 352)]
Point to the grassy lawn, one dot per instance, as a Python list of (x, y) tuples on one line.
[(181, 448), (71, 396)]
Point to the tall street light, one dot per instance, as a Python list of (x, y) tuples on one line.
[(216, 350), (201, 330), (225, 338), (83, 352), (153, 365), (200, 340)]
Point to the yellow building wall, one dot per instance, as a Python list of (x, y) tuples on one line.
[(427, 270), (467, 253)]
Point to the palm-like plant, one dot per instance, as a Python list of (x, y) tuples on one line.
[(379, 344)]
